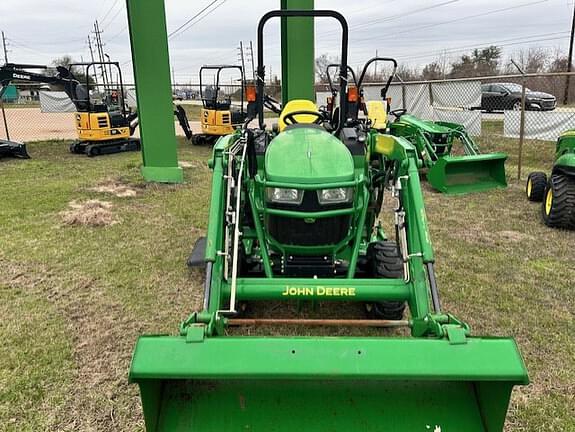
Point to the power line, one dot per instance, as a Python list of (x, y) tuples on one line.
[(119, 33), (202, 18), (409, 30), (395, 17), (113, 18), (109, 10), (192, 18), (496, 43)]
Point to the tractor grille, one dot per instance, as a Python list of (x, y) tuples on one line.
[(103, 122), (292, 231), (226, 118)]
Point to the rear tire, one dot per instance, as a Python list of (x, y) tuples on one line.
[(385, 263), (558, 207), (536, 185)]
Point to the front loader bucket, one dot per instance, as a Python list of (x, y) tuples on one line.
[(13, 149), (325, 384), (466, 174)]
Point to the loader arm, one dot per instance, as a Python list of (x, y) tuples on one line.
[(11, 72)]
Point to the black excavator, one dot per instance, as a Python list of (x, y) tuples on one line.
[(104, 123)]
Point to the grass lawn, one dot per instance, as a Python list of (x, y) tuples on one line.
[(73, 299)]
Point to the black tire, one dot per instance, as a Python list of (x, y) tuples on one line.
[(74, 148), (535, 186), (558, 207), (92, 151), (385, 263), (199, 140), (517, 105)]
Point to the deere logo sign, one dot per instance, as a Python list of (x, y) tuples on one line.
[(320, 291)]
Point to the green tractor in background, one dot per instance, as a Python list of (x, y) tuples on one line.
[(434, 141), (294, 217), (557, 193)]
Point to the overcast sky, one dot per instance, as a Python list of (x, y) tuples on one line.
[(413, 31)]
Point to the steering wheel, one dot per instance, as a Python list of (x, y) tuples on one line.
[(399, 112), (289, 119)]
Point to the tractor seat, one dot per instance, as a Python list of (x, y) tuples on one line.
[(377, 113), (298, 105)]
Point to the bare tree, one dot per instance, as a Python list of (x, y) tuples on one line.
[(321, 64), (532, 59)]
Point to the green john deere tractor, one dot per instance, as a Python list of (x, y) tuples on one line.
[(471, 172), (558, 192), (294, 216), (434, 141)]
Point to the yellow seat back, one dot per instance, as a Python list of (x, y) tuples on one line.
[(298, 105), (377, 113)]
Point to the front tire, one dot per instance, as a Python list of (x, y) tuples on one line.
[(536, 185), (558, 207), (386, 263)]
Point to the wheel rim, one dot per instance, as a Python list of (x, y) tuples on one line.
[(529, 188), (517, 106), (549, 201)]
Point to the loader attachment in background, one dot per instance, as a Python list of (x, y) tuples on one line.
[(469, 173), (325, 384), (449, 173), (13, 149)]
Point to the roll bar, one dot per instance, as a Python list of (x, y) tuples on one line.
[(219, 68), (343, 65), (391, 76), (333, 66)]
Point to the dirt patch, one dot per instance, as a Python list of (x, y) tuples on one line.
[(90, 213), (514, 236), (187, 164), (117, 189)]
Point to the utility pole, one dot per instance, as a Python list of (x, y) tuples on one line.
[(100, 52), (253, 61), (92, 57), (569, 60), (90, 46), (5, 49), (243, 60), (375, 72)]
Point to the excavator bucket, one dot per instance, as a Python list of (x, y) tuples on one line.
[(470, 173), (325, 384), (13, 149)]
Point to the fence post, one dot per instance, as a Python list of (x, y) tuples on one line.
[(5, 120), (522, 122), (403, 92), (521, 129)]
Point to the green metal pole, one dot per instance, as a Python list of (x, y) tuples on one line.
[(298, 53), (149, 40)]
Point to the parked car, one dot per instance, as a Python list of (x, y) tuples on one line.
[(507, 96)]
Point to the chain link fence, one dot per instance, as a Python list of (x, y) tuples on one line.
[(526, 106), (31, 112)]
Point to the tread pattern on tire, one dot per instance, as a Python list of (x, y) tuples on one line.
[(386, 263), (538, 186), (562, 213)]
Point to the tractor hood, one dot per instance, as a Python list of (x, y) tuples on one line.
[(308, 155)]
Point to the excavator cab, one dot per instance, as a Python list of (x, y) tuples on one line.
[(103, 121), (219, 117)]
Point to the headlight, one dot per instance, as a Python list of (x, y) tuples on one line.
[(284, 196), (335, 196)]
